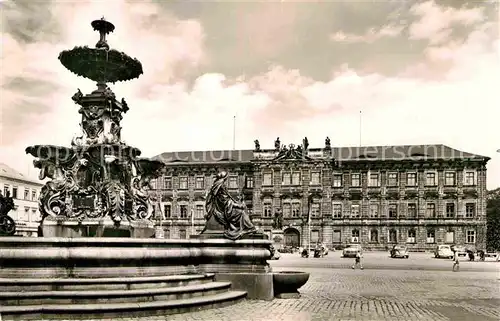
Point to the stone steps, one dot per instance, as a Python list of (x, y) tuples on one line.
[(35, 299), (49, 284)]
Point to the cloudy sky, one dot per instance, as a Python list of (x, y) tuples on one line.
[(422, 72)]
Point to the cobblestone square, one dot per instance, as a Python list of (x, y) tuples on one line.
[(391, 291)]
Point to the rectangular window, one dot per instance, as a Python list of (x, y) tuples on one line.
[(183, 211), (287, 179), (233, 182), (449, 237), (450, 210), (470, 178), (315, 178), (287, 210), (14, 193), (374, 180), (267, 209), (393, 236), (315, 210), (411, 179), (314, 237), (374, 236), (337, 210), (355, 236), (337, 180), (393, 210), (6, 190), (200, 182), (249, 182), (182, 234), (267, 179), (412, 210), (430, 179), (183, 182), (449, 178), (355, 180), (200, 211), (296, 209), (168, 182), (471, 236), (430, 236), (33, 195), (392, 179), (355, 210), (296, 178), (26, 193), (166, 233), (411, 236), (167, 210), (336, 236), (431, 210), (374, 210), (470, 210)]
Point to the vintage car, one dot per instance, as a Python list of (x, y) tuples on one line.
[(443, 251), (351, 250), (461, 250), (399, 251)]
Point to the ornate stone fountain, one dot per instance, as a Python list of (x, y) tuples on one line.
[(98, 185)]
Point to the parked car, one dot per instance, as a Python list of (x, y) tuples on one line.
[(491, 256), (351, 250), (443, 251), (461, 250), (399, 251)]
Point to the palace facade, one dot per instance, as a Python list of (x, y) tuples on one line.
[(419, 195)]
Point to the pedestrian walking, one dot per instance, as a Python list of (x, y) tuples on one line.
[(357, 261), (456, 262)]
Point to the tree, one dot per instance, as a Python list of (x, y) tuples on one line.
[(493, 220)]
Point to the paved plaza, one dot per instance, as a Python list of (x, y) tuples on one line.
[(390, 290)]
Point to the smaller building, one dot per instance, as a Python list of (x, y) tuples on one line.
[(25, 193)]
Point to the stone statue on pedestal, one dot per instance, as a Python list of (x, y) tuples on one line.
[(327, 143), (226, 214), (278, 219), (7, 224)]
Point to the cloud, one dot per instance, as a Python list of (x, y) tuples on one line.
[(435, 23), (370, 36)]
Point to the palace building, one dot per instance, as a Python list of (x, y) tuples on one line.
[(418, 195), (25, 193)]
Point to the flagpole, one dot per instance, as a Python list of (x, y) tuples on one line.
[(234, 132)]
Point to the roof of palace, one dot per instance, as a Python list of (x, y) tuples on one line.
[(376, 153), (8, 172)]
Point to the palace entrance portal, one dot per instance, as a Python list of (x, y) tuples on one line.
[(292, 237)]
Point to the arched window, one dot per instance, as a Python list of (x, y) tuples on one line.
[(374, 236)]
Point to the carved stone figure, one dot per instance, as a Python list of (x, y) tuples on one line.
[(278, 219), (327, 143), (257, 145), (305, 143), (7, 224), (229, 213), (277, 144)]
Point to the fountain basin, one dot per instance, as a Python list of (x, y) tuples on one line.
[(287, 283)]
